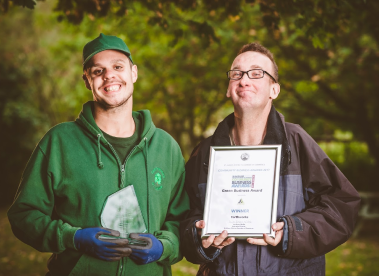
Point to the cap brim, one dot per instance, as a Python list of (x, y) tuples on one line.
[(100, 50)]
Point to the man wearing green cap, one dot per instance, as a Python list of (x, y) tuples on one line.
[(104, 193)]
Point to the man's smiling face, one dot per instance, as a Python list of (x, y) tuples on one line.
[(111, 78), (252, 93)]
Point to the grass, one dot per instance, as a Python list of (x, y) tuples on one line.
[(355, 257)]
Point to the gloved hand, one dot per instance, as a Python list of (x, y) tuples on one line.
[(144, 254), (87, 240)]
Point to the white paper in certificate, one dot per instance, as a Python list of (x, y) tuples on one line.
[(242, 191)]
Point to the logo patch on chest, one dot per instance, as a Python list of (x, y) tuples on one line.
[(158, 178)]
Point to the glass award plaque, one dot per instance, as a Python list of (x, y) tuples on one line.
[(121, 212)]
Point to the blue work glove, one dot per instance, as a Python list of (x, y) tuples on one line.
[(87, 240), (144, 254)]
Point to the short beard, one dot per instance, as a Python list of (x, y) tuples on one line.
[(107, 107)]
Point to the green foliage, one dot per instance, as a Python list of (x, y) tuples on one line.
[(353, 158), (333, 86), (319, 20), (37, 89), (328, 57), (183, 50), (4, 4)]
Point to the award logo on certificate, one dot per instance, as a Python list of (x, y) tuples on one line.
[(242, 191)]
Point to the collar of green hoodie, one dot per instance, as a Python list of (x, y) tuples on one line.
[(87, 120)]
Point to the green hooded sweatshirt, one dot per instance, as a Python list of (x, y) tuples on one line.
[(66, 183)]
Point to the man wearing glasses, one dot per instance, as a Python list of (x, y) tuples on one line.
[(317, 206)]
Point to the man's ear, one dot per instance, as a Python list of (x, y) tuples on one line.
[(274, 91), (84, 77), (134, 73), (228, 94)]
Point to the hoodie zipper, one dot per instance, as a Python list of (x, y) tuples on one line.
[(122, 174), (122, 166)]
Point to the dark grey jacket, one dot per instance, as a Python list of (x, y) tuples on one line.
[(318, 202)]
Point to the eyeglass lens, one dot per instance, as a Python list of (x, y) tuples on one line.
[(252, 74)]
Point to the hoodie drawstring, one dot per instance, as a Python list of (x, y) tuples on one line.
[(99, 163), (145, 151)]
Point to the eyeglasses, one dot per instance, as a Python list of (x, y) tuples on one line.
[(252, 74)]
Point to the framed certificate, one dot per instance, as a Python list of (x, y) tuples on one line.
[(242, 191)]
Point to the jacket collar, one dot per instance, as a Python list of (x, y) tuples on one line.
[(275, 134)]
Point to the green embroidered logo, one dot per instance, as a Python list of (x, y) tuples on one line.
[(158, 178)]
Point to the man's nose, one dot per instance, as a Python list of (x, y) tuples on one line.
[(244, 80), (108, 74)]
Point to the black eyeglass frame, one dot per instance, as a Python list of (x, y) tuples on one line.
[(246, 72)]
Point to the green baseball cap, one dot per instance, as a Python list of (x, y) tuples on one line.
[(104, 42)]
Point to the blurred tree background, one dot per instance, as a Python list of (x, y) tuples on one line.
[(327, 52)]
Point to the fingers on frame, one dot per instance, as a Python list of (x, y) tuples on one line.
[(208, 242), (225, 243), (220, 238), (200, 224), (257, 241), (278, 226), (228, 241), (271, 241)]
